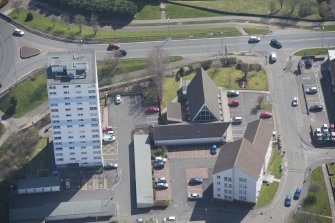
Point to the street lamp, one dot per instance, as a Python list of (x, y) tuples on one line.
[(169, 27), (323, 33)]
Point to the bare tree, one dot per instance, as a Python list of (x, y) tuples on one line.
[(293, 4), (260, 99), (79, 20), (94, 23), (16, 5), (215, 65), (66, 19), (272, 6), (324, 10), (53, 19), (307, 8), (156, 64)]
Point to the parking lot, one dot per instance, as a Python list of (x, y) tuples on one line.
[(191, 151), (196, 173), (247, 110)]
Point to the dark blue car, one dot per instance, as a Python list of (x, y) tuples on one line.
[(288, 201), (297, 194), (196, 181), (213, 150), (158, 165)]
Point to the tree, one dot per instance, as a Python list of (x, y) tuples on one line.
[(16, 5), (79, 20), (215, 65), (272, 6), (13, 101), (324, 10), (307, 8), (29, 17), (53, 19), (293, 4), (66, 19), (281, 3), (156, 64), (314, 188), (94, 23)]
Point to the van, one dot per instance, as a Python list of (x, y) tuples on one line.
[(236, 120)]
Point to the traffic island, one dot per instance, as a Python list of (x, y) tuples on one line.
[(27, 52)]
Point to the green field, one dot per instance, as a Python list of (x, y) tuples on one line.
[(259, 7), (71, 31), (256, 31), (29, 94), (317, 202), (267, 193), (313, 52)]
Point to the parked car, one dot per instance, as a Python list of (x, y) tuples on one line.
[(111, 166), (161, 180), (108, 138), (236, 120), (160, 159), (107, 128), (266, 115), (196, 181), (233, 103), (311, 90), (18, 32), (152, 109), (161, 185), (295, 102), (121, 53), (308, 63), (318, 132), (170, 218), (316, 108), (275, 43), (213, 150), (139, 220), (113, 46), (288, 201), (194, 196), (158, 165), (233, 93), (331, 127), (118, 99), (254, 39), (297, 194), (273, 57), (324, 128), (67, 183)]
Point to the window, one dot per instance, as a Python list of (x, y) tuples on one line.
[(218, 195), (78, 92), (97, 157), (93, 108), (58, 154), (59, 148), (54, 110), (94, 119), (72, 153), (80, 114), (91, 91), (95, 136), (71, 147), (65, 86), (218, 183), (78, 97), (60, 159), (84, 158), (229, 179), (96, 147), (53, 105), (218, 189), (68, 109), (57, 132), (66, 92), (84, 153), (58, 143), (243, 186), (56, 127), (81, 125), (218, 177), (56, 121), (82, 137), (67, 103), (79, 109), (95, 130), (243, 198), (78, 85), (79, 103), (94, 125), (73, 158), (58, 138), (96, 152), (68, 115), (52, 87), (71, 143), (92, 97), (69, 126), (83, 147), (96, 141), (66, 98), (70, 137), (54, 116), (244, 180)]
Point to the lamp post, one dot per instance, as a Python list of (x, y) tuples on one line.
[(267, 22), (323, 33), (169, 27)]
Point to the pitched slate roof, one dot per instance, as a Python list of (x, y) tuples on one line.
[(173, 111), (248, 153), (189, 131), (202, 90)]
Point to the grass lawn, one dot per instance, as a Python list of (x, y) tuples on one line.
[(313, 52), (317, 202), (106, 68), (333, 181), (27, 100), (148, 11), (255, 7), (267, 194), (265, 106), (255, 31), (274, 165), (71, 31), (2, 129), (331, 168), (170, 88), (176, 11), (330, 28), (228, 78)]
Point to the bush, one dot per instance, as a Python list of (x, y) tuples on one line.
[(29, 17)]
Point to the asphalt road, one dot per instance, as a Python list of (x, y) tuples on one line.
[(289, 121)]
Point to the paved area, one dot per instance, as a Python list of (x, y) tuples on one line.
[(196, 173), (163, 194), (190, 151)]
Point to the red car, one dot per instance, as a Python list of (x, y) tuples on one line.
[(152, 109), (233, 103), (113, 46), (266, 114)]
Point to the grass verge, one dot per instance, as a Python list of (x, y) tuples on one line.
[(108, 69), (255, 31), (267, 193), (317, 199), (274, 165), (313, 52), (29, 94), (170, 88), (71, 31), (2, 129), (177, 11), (331, 167)]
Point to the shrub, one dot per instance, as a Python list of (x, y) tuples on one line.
[(29, 17)]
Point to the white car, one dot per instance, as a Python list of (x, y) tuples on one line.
[(273, 56), (161, 180), (318, 132), (159, 158), (254, 39), (170, 218), (118, 99), (233, 93), (324, 128), (18, 32), (195, 196), (109, 166), (312, 90), (162, 185), (295, 102), (108, 138)]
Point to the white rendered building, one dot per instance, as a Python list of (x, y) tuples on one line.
[(240, 166), (74, 108)]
